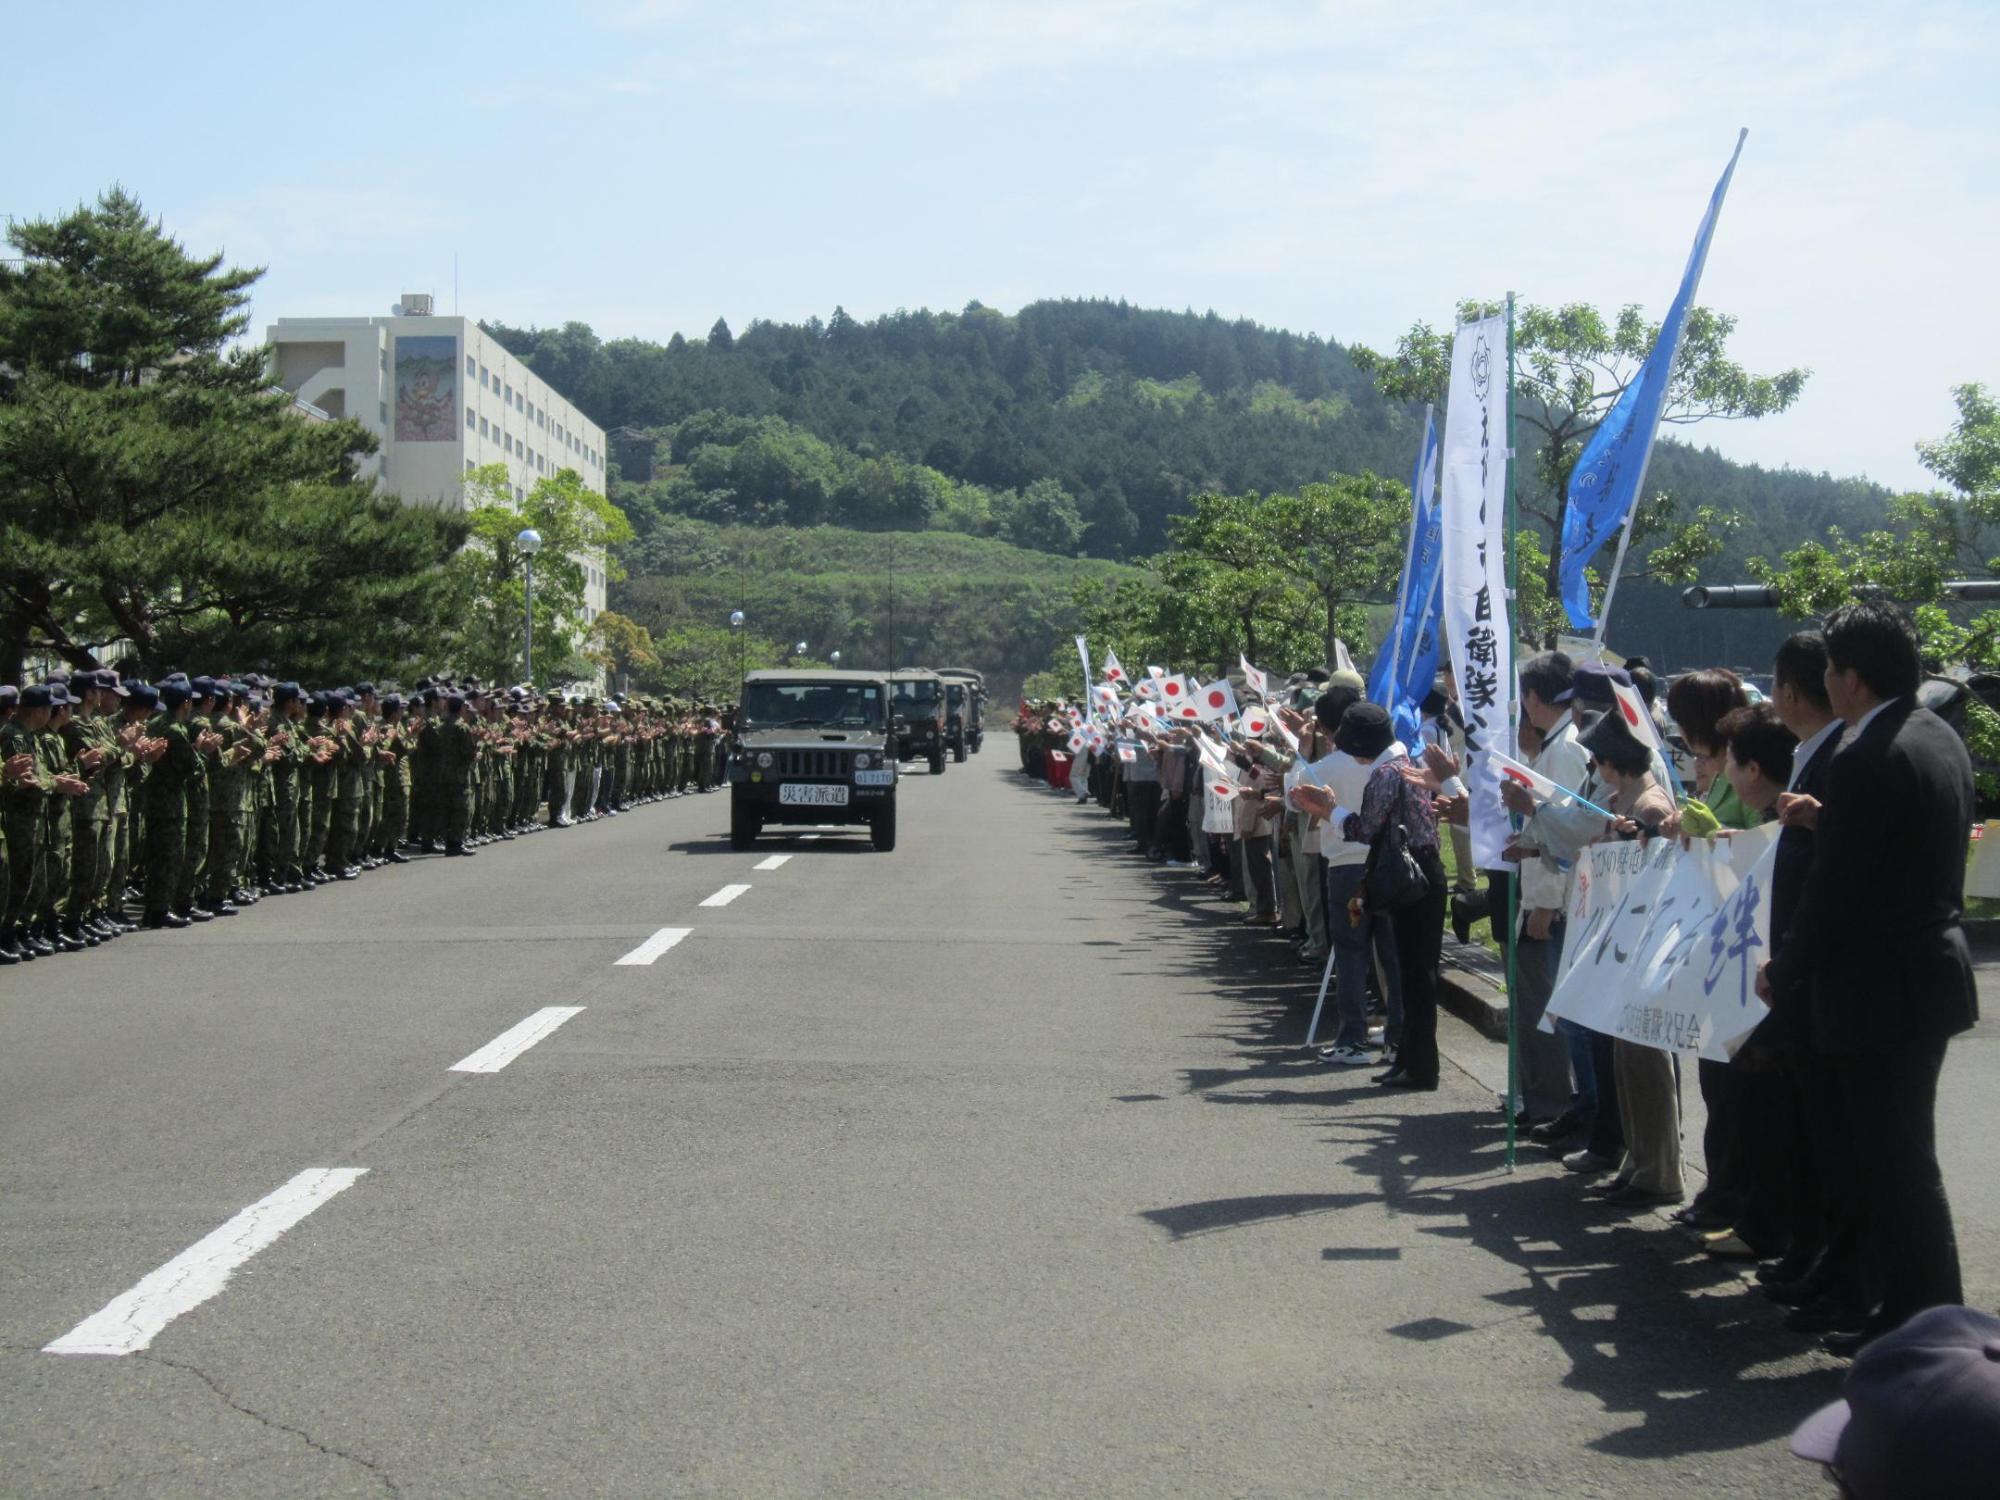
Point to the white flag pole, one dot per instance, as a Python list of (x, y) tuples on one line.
[(1617, 567), (1325, 979)]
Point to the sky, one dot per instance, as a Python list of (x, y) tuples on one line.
[(1345, 168)]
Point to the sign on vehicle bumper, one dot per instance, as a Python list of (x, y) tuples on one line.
[(875, 778), (797, 794)]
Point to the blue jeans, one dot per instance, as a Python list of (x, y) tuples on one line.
[(1350, 960)]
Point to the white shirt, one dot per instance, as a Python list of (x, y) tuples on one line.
[(1347, 779), (1802, 756)]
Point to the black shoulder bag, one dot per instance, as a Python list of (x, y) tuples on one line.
[(1393, 881)]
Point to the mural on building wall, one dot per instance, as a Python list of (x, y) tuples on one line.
[(426, 388)]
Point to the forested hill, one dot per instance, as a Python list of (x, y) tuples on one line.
[(1128, 411), (1070, 428)]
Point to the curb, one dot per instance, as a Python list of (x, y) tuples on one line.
[(1475, 1000)]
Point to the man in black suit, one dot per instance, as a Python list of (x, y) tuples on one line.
[(1876, 938)]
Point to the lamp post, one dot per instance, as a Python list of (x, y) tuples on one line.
[(736, 624), (530, 542), (799, 650), (834, 657)]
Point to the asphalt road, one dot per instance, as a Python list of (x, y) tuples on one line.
[(985, 1167)]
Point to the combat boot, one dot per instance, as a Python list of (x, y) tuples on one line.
[(9, 954)]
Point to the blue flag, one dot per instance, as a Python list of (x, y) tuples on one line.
[(1407, 664), (1605, 483)]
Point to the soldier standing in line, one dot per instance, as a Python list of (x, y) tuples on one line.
[(394, 754), (58, 824), (194, 829), (178, 764), (27, 784), (284, 760), (342, 853), (427, 811), (458, 760), (229, 783), (141, 702), (369, 792), (93, 749), (245, 701)]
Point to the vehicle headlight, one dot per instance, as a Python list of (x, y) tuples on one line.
[(764, 760), (861, 762)]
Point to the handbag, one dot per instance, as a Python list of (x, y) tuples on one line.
[(1392, 880)]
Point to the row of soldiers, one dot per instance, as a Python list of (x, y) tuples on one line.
[(194, 797)]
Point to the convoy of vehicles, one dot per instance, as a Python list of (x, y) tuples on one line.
[(917, 702), (964, 710)]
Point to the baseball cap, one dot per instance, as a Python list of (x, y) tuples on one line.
[(1920, 1419), (1591, 683)]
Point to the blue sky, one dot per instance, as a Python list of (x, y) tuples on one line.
[(1344, 168)]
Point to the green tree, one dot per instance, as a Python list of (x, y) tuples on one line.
[(155, 488), (1043, 518), (579, 527), (1932, 536), (1571, 366)]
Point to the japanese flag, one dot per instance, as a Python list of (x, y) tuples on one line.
[(1259, 683), (1186, 711), (1257, 721), (1217, 700), (1632, 709), (1076, 742), (1112, 671), (1175, 691), (1107, 694), (1527, 776)]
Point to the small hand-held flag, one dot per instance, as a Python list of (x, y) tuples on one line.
[(1258, 682), (1217, 700), (1112, 671), (1534, 781)]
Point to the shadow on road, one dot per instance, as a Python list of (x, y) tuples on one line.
[(1650, 1326)]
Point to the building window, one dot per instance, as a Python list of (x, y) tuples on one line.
[(469, 466), (484, 431), (471, 365), (509, 397), (471, 419), (485, 375), (382, 408), (520, 495), (507, 438)]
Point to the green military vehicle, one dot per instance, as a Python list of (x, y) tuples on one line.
[(918, 706), (813, 747), (964, 710)]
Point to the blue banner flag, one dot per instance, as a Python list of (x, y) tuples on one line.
[(1407, 664), (1605, 483)]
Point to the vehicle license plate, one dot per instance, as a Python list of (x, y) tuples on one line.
[(798, 794), (875, 778)]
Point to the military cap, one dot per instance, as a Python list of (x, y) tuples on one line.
[(142, 695), (316, 701), (363, 689), (1591, 683), (37, 695), (56, 674), (174, 678), (285, 692), (107, 681), (174, 693), (393, 703), (430, 695), (238, 689), (203, 686), (9, 695)]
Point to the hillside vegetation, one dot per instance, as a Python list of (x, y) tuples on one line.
[(1071, 427)]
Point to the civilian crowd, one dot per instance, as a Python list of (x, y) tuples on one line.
[(127, 804), (1820, 1136)]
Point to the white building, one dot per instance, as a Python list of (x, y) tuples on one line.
[(442, 399)]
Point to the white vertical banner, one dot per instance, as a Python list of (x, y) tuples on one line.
[(1474, 464)]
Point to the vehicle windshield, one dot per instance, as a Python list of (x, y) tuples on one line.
[(852, 705), (919, 693), (954, 693)]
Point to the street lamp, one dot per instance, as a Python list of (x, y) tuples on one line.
[(834, 657), (529, 541), (799, 649), (736, 624)]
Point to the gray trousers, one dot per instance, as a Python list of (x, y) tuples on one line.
[(1545, 1081), (1649, 1107)]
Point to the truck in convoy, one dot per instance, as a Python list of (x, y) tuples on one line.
[(917, 707), (964, 710), (813, 747)]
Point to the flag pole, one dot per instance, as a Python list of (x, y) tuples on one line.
[(1617, 568), (1514, 872)]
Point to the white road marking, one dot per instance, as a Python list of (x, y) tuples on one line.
[(655, 945), (772, 863), (726, 895), (131, 1322), (515, 1040), (804, 837)]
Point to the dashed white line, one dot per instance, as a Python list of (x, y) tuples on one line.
[(726, 895), (807, 837), (655, 945), (131, 1322), (772, 863), (515, 1040)]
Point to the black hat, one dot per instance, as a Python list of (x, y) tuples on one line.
[(1607, 738), (9, 695), (142, 695), (1920, 1414), (237, 689), (174, 692), (285, 692), (363, 689), (1364, 730), (37, 695), (1591, 683), (393, 703), (203, 686), (59, 695)]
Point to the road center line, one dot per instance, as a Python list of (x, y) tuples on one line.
[(515, 1040), (726, 895), (655, 945), (131, 1322), (772, 863), (807, 837)]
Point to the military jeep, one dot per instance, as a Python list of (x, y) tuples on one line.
[(918, 706), (813, 747)]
